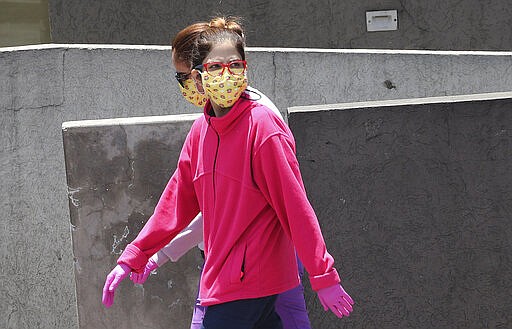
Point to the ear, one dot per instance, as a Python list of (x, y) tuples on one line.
[(196, 75)]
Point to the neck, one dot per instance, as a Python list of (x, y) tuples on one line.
[(220, 111)]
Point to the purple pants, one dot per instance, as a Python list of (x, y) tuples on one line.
[(290, 305)]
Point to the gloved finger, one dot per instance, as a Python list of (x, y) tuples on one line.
[(135, 277), (336, 311), (108, 299), (348, 298), (144, 275), (343, 309), (108, 281), (345, 304), (117, 280)]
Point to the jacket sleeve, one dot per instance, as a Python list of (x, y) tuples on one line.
[(276, 172), (187, 239), (176, 208)]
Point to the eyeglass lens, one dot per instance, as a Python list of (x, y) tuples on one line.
[(234, 67)]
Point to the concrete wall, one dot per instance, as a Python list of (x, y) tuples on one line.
[(424, 24), (116, 171), (414, 199), (42, 87), (413, 196)]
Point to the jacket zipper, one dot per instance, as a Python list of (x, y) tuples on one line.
[(214, 163)]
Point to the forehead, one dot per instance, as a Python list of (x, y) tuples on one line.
[(223, 52)]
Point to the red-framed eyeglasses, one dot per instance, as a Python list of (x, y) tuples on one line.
[(236, 67)]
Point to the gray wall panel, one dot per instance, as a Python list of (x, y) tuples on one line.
[(37, 289), (112, 83), (414, 202), (435, 24), (31, 79), (116, 173)]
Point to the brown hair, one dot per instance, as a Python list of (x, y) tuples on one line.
[(184, 42), (219, 30)]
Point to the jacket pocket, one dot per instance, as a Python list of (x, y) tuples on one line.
[(238, 264)]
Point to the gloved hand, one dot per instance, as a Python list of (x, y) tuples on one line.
[(336, 299), (140, 278), (114, 278)]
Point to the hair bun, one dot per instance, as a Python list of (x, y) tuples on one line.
[(230, 23)]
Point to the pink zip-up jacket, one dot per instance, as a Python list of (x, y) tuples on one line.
[(241, 172)]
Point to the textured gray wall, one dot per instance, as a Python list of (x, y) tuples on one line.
[(415, 203), (43, 86), (423, 24), (414, 199), (116, 172), (37, 288)]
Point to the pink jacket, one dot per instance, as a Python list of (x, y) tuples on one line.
[(241, 172)]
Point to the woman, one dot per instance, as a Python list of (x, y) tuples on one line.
[(290, 305), (238, 167)]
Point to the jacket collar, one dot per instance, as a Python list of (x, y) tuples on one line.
[(226, 122)]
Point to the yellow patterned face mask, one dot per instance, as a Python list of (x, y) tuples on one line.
[(189, 91), (224, 90)]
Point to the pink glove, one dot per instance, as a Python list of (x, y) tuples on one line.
[(140, 278), (336, 299), (114, 278)]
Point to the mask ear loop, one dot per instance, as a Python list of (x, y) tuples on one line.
[(248, 97)]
